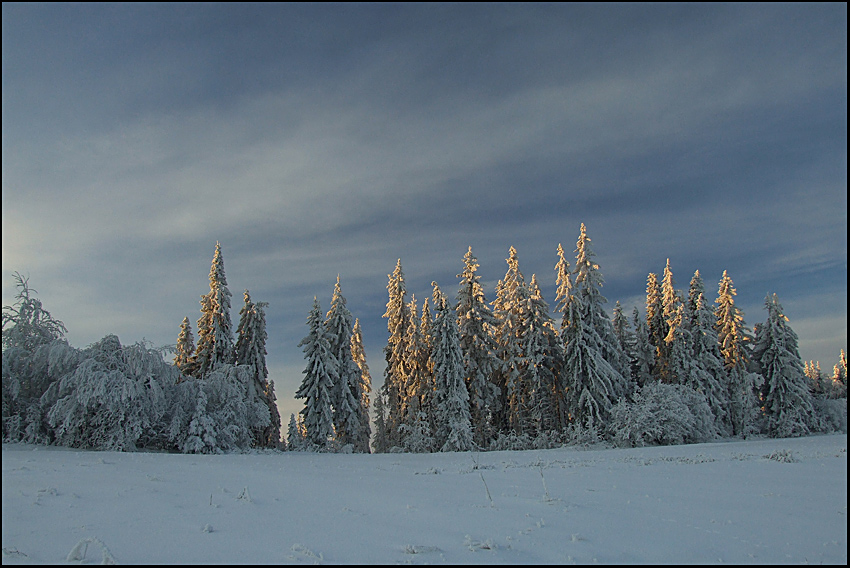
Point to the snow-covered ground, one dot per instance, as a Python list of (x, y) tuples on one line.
[(758, 501)]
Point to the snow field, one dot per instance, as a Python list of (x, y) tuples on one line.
[(758, 501)]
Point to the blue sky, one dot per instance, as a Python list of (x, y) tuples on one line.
[(333, 139)]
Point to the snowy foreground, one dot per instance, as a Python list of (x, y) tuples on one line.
[(760, 501)]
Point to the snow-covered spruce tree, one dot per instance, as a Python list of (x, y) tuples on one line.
[(185, 349), (588, 282), (839, 382), (642, 354), (395, 373), (829, 395), (732, 336), (476, 322), (319, 378), (418, 406), (695, 290), (679, 366), (622, 329), (35, 355), (451, 400), (589, 377), (511, 311), (345, 395), (670, 302), (416, 433), (817, 380), (215, 330), (594, 384), (380, 441), (426, 328), (416, 430), (296, 437), (839, 378), (358, 354), (563, 290), (656, 325), (115, 398), (251, 351), (707, 358), (785, 397), (545, 354)]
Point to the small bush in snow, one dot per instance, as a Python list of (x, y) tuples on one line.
[(580, 435), (662, 414), (830, 414)]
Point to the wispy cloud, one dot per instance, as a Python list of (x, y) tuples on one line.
[(314, 141)]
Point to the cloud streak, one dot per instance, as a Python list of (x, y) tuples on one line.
[(314, 141)]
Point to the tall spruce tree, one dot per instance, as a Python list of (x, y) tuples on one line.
[(251, 339), (511, 311), (426, 334), (622, 328), (732, 336), (358, 353), (695, 290), (318, 383), (545, 354), (713, 381), (417, 411), (594, 384), (643, 354), (785, 396), (656, 325), (476, 322), (670, 302), (451, 399), (588, 282), (380, 441), (679, 367), (590, 390), (563, 290), (215, 330), (395, 374), (345, 395)]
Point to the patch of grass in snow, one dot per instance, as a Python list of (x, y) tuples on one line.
[(783, 456)]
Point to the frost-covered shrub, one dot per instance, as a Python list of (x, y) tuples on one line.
[(830, 414), (578, 434), (547, 440), (417, 437), (215, 414), (512, 441), (34, 357), (30, 381), (705, 425), (662, 414), (113, 399)]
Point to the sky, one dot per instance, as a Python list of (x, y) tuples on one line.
[(322, 140)]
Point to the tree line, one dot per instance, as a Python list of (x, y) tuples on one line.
[(506, 374), (459, 375)]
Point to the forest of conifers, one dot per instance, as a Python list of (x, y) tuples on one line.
[(460, 373)]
